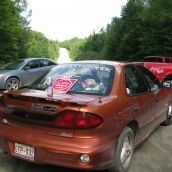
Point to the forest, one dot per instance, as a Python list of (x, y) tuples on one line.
[(17, 40), (143, 28)]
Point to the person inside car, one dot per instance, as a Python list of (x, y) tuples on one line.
[(91, 84)]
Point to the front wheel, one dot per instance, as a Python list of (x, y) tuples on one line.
[(12, 84), (124, 151)]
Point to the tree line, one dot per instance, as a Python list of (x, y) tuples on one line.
[(17, 40), (144, 28)]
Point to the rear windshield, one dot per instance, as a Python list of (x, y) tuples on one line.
[(96, 79)]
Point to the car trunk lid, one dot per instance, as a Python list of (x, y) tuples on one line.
[(34, 109)]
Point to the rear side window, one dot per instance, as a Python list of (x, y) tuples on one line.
[(44, 63), (151, 80), (51, 63), (135, 83), (33, 64)]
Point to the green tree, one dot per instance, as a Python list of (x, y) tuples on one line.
[(24, 37), (131, 30), (112, 40), (74, 46), (144, 28), (92, 47), (40, 46), (10, 30), (157, 32)]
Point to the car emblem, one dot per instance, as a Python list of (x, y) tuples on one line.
[(37, 107)]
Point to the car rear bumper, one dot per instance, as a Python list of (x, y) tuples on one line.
[(61, 151)]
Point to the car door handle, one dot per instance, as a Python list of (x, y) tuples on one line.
[(136, 108)]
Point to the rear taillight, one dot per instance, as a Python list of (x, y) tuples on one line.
[(77, 120), (2, 109)]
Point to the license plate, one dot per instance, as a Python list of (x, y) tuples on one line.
[(24, 151)]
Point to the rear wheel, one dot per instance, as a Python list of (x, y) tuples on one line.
[(124, 151), (168, 120), (12, 84)]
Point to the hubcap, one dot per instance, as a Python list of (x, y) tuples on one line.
[(170, 111), (12, 84), (126, 152)]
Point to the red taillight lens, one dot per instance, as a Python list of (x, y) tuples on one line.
[(72, 119)]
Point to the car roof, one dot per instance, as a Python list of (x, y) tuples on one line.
[(113, 63), (35, 58)]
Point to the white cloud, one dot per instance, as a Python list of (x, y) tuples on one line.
[(65, 19)]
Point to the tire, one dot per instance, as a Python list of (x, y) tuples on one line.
[(168, 120), (12, 84), (124, 151)]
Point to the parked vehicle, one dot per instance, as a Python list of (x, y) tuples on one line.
[(160, 66), (23, 72), (95, 116)]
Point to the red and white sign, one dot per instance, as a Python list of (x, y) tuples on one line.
[(63, 85)]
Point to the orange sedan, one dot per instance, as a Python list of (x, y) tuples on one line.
[(84, 115)]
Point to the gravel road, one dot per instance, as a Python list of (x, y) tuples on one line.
[(63, 56), (155, 154)]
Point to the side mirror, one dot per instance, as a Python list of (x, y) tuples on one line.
[(154, 87), (166, 84)]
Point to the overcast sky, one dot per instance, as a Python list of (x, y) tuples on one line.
[(65, 19)]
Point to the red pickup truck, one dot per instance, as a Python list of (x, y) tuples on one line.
[(159, 65)]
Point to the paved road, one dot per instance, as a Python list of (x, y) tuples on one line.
[(155, 154)]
